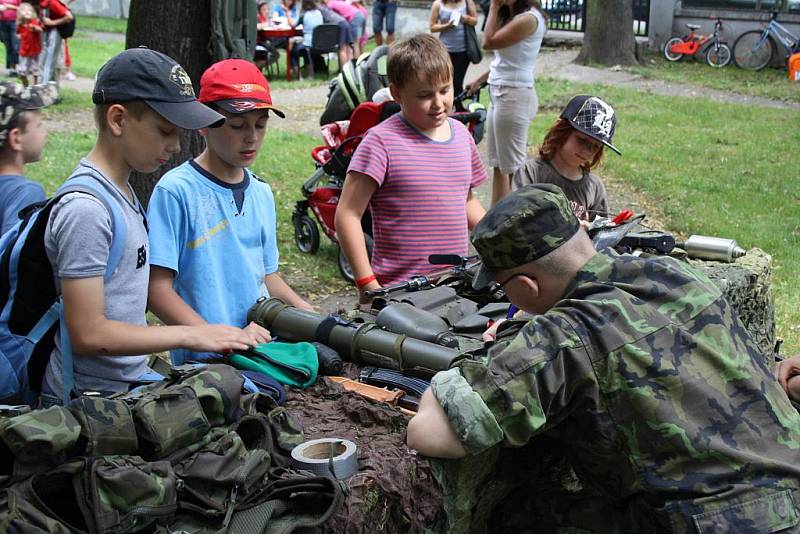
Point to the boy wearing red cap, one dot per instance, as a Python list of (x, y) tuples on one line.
[(213, 248)]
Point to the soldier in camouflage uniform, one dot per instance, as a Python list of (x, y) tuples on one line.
[(637, 367)]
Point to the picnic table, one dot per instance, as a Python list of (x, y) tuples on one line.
[(288, 32)]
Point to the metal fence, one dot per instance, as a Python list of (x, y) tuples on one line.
[(570, 15)]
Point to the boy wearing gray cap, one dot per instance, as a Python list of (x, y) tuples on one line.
[(142, 99)]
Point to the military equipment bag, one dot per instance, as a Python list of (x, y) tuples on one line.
[(192, 453)]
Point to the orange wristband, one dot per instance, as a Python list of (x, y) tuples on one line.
[(361, 282)]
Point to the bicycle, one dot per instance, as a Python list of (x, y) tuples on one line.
[(754, 49), (717, 53)]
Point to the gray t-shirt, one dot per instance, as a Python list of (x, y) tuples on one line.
[(77, 240), (587, 196)]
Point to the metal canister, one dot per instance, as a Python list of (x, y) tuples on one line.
[(713, 248)]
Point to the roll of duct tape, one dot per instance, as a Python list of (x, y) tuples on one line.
[(325, 455)]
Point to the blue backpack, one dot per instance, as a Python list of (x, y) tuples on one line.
[(30, 307)]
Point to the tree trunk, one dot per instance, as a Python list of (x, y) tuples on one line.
[(180, 29), (608, 36)]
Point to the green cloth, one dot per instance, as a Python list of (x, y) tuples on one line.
[(278, 360)]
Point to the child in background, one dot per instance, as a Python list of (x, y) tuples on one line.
[(29, 30), (572, 147), (22, 139), (212, 222), (416, 170), (310, 19)]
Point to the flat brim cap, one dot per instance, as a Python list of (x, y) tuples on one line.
[(526, 225), (236, 86), (245, 105), (159, 81), (191, 115), (592, 116)]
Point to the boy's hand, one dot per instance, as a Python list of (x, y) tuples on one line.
[(260, 333), (218, 338), (362, 298)]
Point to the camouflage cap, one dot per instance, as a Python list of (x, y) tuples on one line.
[(14, 99), (526, 225)]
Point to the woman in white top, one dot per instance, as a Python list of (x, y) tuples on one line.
[(514, 30), (448, 18)]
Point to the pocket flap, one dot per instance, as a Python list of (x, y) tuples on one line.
[(770, 513)]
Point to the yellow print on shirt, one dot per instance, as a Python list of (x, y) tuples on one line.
[(208, 235)]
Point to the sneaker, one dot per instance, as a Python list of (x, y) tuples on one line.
[(71, 77)]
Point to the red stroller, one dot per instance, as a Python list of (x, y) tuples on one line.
[(321, 190)]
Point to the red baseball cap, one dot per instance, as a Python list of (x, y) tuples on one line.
[(236, 86)]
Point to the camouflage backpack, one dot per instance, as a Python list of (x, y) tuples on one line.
[(191, 453)]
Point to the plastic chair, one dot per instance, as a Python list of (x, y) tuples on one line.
[(324, 41)]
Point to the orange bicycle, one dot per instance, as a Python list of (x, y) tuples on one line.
[(717, 53)]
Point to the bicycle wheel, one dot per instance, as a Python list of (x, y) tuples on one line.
[(752, 52), (718, 56), (668, 53)]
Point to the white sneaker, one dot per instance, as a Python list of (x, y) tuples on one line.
[(71, 77)]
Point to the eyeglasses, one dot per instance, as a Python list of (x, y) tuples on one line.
[(507, 280)]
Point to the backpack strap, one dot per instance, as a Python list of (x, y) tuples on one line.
[(86, 183)]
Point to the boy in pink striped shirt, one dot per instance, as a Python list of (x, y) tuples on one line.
[(416, 171)]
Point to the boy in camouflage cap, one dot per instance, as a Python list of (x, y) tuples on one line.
[(22, 139), (637, 367)]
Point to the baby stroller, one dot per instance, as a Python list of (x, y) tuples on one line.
[(322, 189)]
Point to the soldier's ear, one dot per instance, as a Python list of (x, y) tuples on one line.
[(531, 285)]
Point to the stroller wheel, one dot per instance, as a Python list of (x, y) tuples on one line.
[(344, 266), (306, 234)]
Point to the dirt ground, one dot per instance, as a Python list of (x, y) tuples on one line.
[(306, 106)]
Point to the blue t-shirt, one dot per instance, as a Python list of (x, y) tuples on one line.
[(280, 10), (311, 19), (220, 247), (16, 192)]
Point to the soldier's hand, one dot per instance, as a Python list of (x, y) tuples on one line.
[(259, 333), (788, 374)]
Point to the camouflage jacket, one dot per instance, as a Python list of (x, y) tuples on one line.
[(654, 387)]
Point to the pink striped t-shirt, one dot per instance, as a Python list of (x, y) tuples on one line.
[(419, 207)]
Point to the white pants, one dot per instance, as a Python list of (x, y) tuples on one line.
[(510, 115)]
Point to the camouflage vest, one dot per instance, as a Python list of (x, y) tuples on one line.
[(191, 453)]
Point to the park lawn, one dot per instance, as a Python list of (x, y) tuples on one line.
[(89, 54), (100, 24), (711, 169), (768, 83)]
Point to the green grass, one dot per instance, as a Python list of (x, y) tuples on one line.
[(768, 83), (88, 54), (71, 101), (712, 169), (100, 24)]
